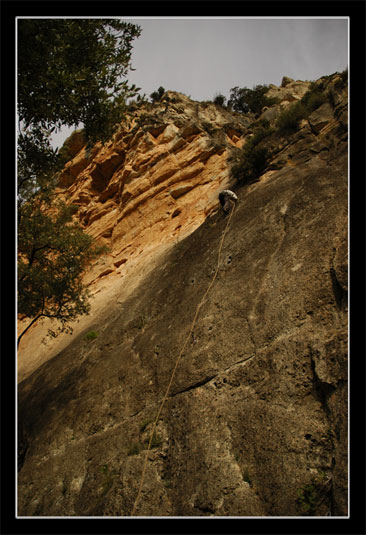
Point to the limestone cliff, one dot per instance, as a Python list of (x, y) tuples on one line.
[(255, 423)]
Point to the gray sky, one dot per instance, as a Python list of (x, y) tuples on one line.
[(203, 57)]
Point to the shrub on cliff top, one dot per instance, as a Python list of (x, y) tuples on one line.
[(247, 100), (156, 96), (219, 99)]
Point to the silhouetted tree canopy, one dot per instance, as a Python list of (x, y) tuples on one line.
[(245, 100)]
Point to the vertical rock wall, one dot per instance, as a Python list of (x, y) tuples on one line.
[(255, 423)]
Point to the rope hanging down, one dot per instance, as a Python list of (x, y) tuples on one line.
[(177, 362)]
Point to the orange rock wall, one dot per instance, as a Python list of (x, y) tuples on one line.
[(141, 193)]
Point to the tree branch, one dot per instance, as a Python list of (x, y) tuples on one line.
[(28, 327)]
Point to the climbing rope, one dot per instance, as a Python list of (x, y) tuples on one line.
[(177, 362)]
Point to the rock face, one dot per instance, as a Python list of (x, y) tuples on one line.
[(255, 422), (141, 193)]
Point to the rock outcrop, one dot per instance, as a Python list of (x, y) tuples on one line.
[(255, 423), (141, 193)]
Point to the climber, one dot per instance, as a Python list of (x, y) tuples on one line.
[(227, 199)]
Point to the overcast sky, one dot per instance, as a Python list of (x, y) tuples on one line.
[(201, 57)]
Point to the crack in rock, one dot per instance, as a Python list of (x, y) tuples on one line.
[(209, 378)]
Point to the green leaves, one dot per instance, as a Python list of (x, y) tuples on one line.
[(290, 118), (66, 66), (253, 159), (156, 96), (70, 72), (247, 100), (52, 254)]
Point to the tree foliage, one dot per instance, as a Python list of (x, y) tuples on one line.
[(291, 117), (251, 163), (219, 99), (51, 263), (36, 164), (253, 157), (245, 100), (70, 71), (156, 96)]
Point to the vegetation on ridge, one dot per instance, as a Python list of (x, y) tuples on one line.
[(245, 100), (254, 157), (156, 96)]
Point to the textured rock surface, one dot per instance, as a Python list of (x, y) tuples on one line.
[(256, 419), (141, 193)]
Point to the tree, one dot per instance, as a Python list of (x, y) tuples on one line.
[(156, 96), (219, 99), (245, 100), (251, 163), (51, 264), (70, 71), (253, 157)]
